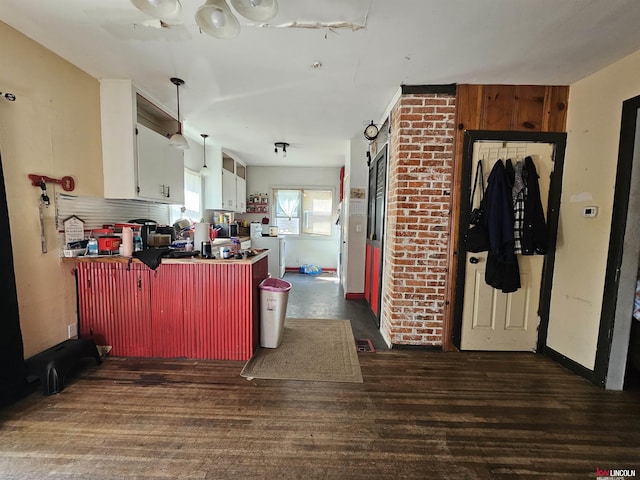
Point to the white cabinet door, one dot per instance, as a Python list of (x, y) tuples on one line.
[(241, 195), (173, 175), (228, 190), (213, 190), (150, 155), (160, 168)]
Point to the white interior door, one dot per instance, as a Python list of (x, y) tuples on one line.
[(492, 320)]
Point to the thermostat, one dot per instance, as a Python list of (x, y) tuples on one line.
[(590, 212)]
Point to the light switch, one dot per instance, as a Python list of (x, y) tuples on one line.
[(358, 227)]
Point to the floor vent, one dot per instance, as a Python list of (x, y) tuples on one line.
[(364, 345)]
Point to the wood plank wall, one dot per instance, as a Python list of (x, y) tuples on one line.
[(524, 108)]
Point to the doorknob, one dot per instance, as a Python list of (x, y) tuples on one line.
[(474, 260)]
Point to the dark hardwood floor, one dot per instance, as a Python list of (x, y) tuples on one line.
[(419, 415)]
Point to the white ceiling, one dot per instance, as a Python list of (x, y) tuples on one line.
[(260, 88)]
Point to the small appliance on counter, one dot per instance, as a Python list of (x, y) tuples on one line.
[(227, 230), (108, 243), (146, 227)]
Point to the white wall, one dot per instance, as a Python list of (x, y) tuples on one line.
[(593, 126), (322, 252), (355, 225)]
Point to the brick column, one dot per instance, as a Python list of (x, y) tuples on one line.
[(418, 204)]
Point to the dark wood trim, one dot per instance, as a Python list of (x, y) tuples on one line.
[(616, 239), (555, 188), (569, 364), (448, 89), (13, 373)]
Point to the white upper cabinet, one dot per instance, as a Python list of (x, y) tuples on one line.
[(137, 160), (234, 185)]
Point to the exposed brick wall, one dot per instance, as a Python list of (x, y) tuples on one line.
[(418, 204)]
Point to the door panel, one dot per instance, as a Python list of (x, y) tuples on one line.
[(367, 274), (492, 320), (375, 231)]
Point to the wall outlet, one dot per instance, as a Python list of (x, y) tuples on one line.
[(72, 330)]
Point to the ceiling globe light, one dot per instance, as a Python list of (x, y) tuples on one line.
[(256, 10), (215, 19), (162, 9), (177, 139)]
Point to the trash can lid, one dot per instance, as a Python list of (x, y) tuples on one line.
[(275, 285)]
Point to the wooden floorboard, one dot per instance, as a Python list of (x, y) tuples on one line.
[(417, 415)]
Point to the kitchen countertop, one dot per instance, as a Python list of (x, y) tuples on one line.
[(165, 260)]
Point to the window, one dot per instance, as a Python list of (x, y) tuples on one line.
[(303, 211), (192, 198)]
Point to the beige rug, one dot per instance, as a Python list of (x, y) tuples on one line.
[(311, 349)]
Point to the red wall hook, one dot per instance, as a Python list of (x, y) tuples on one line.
[(68, 184)]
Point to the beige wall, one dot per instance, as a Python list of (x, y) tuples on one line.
[(53, 129), (593, 126)]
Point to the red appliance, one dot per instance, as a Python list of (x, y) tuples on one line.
[(108, 244)]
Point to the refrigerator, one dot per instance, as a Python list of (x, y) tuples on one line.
[(276, 247)]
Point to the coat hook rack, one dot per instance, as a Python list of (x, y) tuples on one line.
[(67, 183)]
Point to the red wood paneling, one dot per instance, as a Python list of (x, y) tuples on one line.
[(115, 307), (207, 311), (375, 281), (367, 274)]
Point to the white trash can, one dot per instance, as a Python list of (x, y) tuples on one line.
[(274, 295)]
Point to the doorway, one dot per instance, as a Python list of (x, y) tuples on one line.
[(617, 363), (484, 318)]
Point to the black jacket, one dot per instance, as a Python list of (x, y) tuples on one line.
[(535, 238), (502, 270)]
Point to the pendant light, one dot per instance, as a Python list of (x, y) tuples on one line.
[(256, 10), (162, 9), (177, 139), (215, 18), (204, 171)]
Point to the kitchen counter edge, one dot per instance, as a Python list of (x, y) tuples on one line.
[(168, 261)]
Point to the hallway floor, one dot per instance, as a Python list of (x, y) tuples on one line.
[(322, 296)]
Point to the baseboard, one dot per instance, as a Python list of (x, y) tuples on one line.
[(354, 296), (396, 346), (575, 367)]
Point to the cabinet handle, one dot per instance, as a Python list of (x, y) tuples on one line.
[(162, 190), (168, 191)]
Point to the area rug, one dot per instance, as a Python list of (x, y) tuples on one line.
[(311, 349)]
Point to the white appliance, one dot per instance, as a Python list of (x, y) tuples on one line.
[(275, 245)]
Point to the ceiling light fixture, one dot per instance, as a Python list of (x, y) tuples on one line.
[(204, 171), (214, 17), (177, 139), (283, 146), (162, 9)]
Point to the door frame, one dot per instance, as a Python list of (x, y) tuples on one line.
[(615, 318), (559, 140)]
